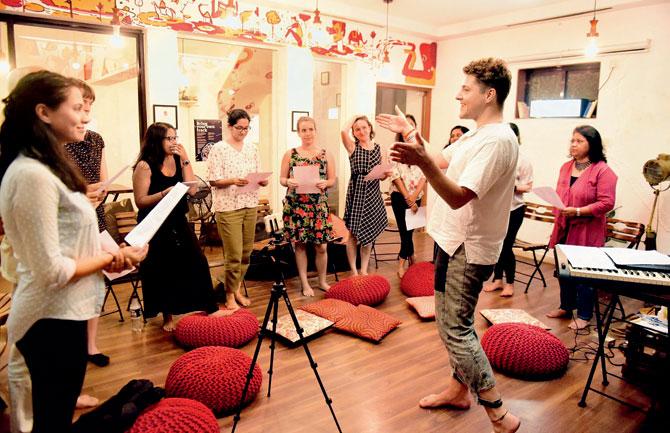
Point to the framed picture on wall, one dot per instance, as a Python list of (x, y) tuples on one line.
[(167, 114), (295, 115), (325, 78)]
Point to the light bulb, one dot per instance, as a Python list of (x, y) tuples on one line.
[(116, 40), (592, 48), (4, 66), (76, 65)]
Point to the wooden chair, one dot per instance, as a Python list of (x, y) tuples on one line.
[(392, 227), (542, 213), (625, 231)]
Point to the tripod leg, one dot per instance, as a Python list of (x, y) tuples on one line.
[(272, 306), (273, 337), (312, 363)]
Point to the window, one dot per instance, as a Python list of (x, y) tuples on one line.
[(561, 91)]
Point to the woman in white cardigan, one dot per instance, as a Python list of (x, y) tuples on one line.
[(53, 229)]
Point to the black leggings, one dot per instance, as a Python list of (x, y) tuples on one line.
[(507, 261), (399, 207), (55, 352)]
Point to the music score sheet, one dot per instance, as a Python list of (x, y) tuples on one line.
[(144, 231), (587, 257), (631, 257), (107, 243)]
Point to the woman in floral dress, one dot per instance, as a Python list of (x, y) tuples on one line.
[(306, 216)]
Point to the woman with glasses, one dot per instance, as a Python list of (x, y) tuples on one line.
[(229, 163), (175, 275)]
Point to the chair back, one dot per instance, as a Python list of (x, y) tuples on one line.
[(540, 212), (126, 222), (625, 231)]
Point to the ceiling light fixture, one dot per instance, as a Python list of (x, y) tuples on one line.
[(592, 49), (116, 41)]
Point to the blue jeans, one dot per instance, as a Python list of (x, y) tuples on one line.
[(576, 295), (457, 287)]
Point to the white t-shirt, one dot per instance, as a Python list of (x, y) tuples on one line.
[(484, 161), (524, 175)]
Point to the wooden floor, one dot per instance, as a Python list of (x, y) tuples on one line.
[(376, 388)]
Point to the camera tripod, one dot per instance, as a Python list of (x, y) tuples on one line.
[(279, 291)]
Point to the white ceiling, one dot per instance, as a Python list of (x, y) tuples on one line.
[(442, 19)]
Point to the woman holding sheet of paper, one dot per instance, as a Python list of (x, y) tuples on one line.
[(364, 211), (175, 275), (55, 238), (587, 186), (306, 215), (406, 190), (229, 163)]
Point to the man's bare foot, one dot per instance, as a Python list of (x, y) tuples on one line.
[(307, 291), (508, 424), (578, 323), (168, 325), (493, 286), (231, 303), (323, 285), (241, 299), (84, 401), (558, 313), (455, 396), (508, 290)]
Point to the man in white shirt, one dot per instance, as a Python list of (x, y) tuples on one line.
[(468, 224)]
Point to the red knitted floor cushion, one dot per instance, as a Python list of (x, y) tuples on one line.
[(361, 289), (176, 415), (525, 351), (213, 376), (419, 280), (198, 330)]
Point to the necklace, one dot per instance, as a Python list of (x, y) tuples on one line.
[(582, 165)]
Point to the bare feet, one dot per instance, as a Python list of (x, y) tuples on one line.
[(231, 303), (578, 323), (307, 291), (455, 396), (85, 401), (508, 424), (401, 268), (241, 299), (223, 313), (323, 285), (493, 286), (168, 323), (364, 273), (558, 313), (508, 290)]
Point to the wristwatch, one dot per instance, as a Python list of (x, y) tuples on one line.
[(185, 162)]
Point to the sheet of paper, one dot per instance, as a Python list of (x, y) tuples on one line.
[(111, 180), (109, 245), (378, 171), (415, 220), (253, 179), (144, 231), (549, 195), (587, 257), (630, 257), (307, 176)]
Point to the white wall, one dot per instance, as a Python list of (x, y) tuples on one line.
[(633, 104)]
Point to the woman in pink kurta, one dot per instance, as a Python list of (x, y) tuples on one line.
[(587, 186)]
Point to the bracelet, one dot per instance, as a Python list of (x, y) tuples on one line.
[(409, 135), (579, 211)]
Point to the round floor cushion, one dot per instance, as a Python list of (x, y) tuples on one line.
[(525, 351), (214, 376), (361, 289), (419, 280), (198, 330), (176, 415)]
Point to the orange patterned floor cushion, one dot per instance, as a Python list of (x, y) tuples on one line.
[(368, 323), (311, 325), (423, 305), (331, 309)]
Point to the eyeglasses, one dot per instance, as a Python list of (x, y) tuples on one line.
[(241, 128), (173, 139)]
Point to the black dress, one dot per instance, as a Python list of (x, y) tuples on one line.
[(175, 274)]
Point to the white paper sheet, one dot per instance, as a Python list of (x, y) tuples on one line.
[(415, 220), (378, 171), (109, 245), (307, 176), (549, 195), (627, 256), (253, 179), (111, 180), (587, 257), (144, 231)]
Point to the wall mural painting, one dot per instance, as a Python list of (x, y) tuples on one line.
[(235, 20)]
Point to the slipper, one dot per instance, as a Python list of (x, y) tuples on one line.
[(99, 359)]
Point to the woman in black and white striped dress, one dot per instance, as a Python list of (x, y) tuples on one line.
[(364, 214)]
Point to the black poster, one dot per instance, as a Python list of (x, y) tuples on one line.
[(207, 133)]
